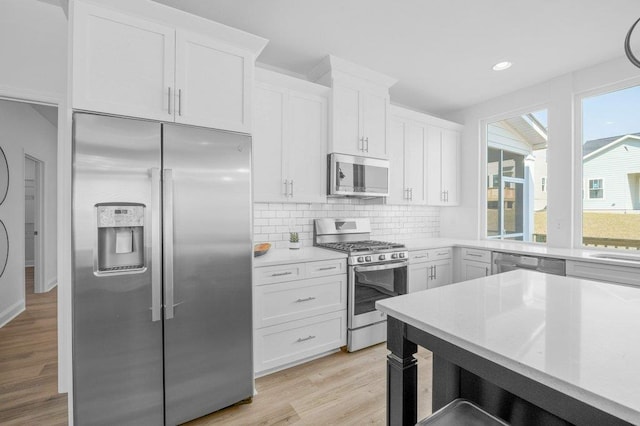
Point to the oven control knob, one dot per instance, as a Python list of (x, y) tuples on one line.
[(394, 256), (401, 255), (368, 258), (381, 257), (361, 259)]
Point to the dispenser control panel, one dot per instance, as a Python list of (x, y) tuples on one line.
[(116, 216)]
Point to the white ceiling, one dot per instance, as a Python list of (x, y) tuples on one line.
[(441, 51)]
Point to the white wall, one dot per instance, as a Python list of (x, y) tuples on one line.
[(24, 131), (33, 45), (467, 220), (273, 221)]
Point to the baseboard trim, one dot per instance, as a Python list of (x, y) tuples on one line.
[(51, 284), (11, 312)]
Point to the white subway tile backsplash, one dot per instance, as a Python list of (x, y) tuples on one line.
[(274, 221)]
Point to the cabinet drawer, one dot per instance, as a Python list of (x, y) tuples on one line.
[(326, 267), (602, 272), (418, 256), (441, 253), (294, 300), (286, 343), (476, 255), (279, 273)]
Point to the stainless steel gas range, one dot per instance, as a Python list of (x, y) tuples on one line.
[(376, 270)]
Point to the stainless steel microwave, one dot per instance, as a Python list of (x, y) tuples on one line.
[(350, 175)]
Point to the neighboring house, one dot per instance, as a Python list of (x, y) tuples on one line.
[(611, 173)]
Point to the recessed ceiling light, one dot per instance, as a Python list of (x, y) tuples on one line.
[(500, 66)]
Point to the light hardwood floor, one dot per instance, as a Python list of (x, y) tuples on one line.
[(339, 389), (29, 364)]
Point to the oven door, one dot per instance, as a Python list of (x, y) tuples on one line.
[(370, 283)]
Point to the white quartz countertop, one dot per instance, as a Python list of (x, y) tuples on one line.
[(305, 254), (528, 249), (579, 337)]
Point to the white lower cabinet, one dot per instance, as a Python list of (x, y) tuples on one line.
[(429, 269), (628, 275), (300, 311), (474, 263)]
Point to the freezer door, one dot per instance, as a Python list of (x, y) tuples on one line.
[(207, 274), (117, 345)]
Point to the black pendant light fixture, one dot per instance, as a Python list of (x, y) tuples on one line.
[(627, 46)]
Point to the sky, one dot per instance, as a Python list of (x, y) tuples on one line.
[(612, 114)]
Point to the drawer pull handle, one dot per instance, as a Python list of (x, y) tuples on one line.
[(280, 274), (420, 257), (328, 268), (306, 299), (474, 254), (442, 253), (304, 339)]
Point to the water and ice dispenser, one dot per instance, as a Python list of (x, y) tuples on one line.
[(120, 245)]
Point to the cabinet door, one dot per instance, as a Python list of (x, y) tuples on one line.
[(435, 195), (268, 144), (306, 147), (397, 188), (441, 274), (213, 83), (414, 162), (471, 269), (374, 124), (122, 65), (449, 165), (418, 277), (346, 120)]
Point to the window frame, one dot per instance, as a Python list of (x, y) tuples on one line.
[(589, 189), (579, 189)]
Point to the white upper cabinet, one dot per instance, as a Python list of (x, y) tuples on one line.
[(213, 83), (153, 68), (359, 107), (121, 64), (443, 159), (289, 139)]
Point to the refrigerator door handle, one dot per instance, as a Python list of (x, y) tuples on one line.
[(156, 252), (168, 243)]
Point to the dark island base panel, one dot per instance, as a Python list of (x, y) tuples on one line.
[(458, 373)]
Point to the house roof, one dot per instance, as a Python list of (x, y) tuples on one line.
[(530, 129), (593, 147)]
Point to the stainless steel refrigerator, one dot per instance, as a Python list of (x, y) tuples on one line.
[(162, 328)]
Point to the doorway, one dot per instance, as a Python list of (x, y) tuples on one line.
[(33, 224)]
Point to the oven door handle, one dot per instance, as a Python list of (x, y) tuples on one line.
[(382, 267)]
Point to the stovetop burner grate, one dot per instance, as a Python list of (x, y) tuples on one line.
[(361, 246)]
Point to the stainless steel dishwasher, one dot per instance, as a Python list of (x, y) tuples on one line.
[(504, 262)]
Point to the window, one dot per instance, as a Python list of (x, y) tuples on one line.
[(611, 156), (516, 154), (595, 188)]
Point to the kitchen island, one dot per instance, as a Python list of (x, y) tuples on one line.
[(528, 347)]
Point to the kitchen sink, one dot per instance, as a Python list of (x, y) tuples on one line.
[(623, 257)]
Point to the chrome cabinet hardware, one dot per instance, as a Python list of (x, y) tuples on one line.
[(291, 191), (411, 194), (281, 274), (286, 187), (442, 253), (486, 271), (420, 257), (367, 141), (474, 254), (328, 268), (304, 339), (306, 299)]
